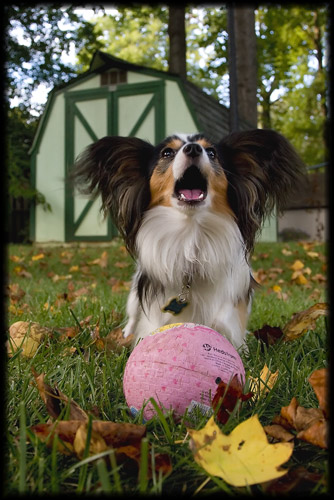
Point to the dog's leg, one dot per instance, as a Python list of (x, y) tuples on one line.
[(232, 322), (133, 313)]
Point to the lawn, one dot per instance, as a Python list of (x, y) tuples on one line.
[(60, 287)]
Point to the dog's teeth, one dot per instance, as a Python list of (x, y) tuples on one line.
[(201, 196), (182, 197)]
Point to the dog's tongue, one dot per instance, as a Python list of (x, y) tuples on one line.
[(191, 194)]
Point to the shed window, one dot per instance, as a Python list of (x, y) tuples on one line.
[(113, 77)]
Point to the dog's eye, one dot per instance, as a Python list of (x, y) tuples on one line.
[(167, 153), (211, 152)]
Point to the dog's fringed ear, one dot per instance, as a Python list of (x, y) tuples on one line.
[(118, 169), (262, 169)]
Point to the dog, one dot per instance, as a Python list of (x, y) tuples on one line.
[(189, 211)]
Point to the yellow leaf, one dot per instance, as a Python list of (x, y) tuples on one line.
[(297, 265), (38, 256), (243, 457), (26, 336), (313, 255), (74, 269), (264, 383), (277, 288), (301, 280), (303, 321), (96, 445)]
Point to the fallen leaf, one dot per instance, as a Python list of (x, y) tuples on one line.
[(297, 265), (96, 444), (278, 432), (303, 321), (38, 257), (226, 398), (58, 277), (122, 265), (15, 292), (264, 383), (299, 278), (113, 434), (114, 341), (298, 480), (101, 261), (313, 255), (319, 382), (310, 423), (55, 400), (286, 252), (269, 335), (27, 336), (16, 258), (243, 457), (74, 269)]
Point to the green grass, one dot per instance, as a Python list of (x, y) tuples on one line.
[(94, 378)]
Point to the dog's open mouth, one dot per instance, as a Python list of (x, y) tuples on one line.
[(192, 188)]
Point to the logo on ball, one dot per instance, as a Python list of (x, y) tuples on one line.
[(207, 347)]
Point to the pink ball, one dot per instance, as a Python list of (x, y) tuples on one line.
[(178, 366)]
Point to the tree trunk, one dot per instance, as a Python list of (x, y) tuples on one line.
[(177, 41), (243, 63)]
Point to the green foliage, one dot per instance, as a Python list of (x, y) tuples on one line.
[(137, 35), (36, 39), (291, 51), (20, 132)]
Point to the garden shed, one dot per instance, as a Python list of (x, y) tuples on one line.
[(113, 97)]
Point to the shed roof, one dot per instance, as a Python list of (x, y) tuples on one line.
[(212, 117)]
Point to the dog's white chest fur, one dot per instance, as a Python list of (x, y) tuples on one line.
[(204, 250)]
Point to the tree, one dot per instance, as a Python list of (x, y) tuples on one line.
[(292, 76), (242, 65), (36, 40), (177, 40), (136, 34)]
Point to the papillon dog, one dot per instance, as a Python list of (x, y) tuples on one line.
[(189, 211)]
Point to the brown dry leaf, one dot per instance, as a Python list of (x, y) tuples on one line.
[(310, 423), (118, 285), (316, 433), (278, 432), (27, 336), (15, 292), (303, 321), (16, 258), (122, 265), (114, 341), (298, 480), (113, 434), (101, 261), (55, 400), (319, 382)]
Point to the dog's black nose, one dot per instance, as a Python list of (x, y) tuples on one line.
[(192, 149)]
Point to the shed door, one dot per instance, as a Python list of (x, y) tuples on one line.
[(130, 110)]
